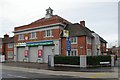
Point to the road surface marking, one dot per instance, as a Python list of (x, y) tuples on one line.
[(16, 76)]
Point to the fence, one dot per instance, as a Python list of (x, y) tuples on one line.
[(83, 60)]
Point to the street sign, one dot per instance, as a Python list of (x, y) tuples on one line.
[(68, 45), (65, 33)]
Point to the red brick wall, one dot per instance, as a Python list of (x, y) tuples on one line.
[(81, 42), (40, 36), (63, 46), (7, 50)]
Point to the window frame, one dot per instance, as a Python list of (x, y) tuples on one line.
[(10, 45), (10, 56), (72, 41), (48, 33), (33, 35), (89, 54), (88, 40), (21, 37), (73, 54)]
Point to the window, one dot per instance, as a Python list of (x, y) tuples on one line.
[(10, 54), (88, 52), (88, 40), (73, 52), (48, 33), (10, 45), (0, 45), (33, 35), (21, 37), (73, 40)]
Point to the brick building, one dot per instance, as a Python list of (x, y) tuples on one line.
[(83, 41), (7, 47), (40, 38)]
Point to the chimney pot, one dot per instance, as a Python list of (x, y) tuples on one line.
[(6, 36), (82, 23)]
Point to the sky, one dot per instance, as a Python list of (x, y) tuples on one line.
[(99, 16)]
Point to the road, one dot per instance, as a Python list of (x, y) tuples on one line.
[(21, 75)]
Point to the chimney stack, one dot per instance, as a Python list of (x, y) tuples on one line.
[(82, 23), (6, 36)]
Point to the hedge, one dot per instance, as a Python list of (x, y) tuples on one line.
[(71, 60), (95, 60), (75, 60)]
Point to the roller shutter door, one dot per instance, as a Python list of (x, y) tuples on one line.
[(20, 52), (47, 51), (33, 54)]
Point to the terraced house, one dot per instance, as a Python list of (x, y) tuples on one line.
[(44, 37), (7, 47)]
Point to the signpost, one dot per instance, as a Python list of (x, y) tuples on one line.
[(68, 46)]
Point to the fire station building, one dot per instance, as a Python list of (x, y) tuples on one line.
[(45, 37)]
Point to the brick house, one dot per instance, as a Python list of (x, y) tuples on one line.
[(7, 47), (38, 40), (83, 41)]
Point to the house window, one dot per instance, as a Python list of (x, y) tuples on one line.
[(33, 35), (48, 33), (21, 37), (73, 52), (88, 52), (0, 45), (73, 40), (88, 40), (10, 54), (10, 45)]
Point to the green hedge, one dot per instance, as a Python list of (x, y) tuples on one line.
[(70, 60), (95, 60)]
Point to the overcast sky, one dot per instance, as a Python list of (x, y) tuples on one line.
[(101, 17)]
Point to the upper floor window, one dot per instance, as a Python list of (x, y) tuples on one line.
[(21, 37), (48, 33), (88, 40), (10, 45), (33, 35), (73, 52), (73, 40)]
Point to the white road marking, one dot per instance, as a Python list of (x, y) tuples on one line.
[(16, 76)]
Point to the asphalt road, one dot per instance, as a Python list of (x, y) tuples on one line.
[(20, 75)]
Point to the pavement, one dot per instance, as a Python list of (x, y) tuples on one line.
[(106, 72)]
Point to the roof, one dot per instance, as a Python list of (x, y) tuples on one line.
[(102, 40), (8, 40), (44, 21), (77, 30)]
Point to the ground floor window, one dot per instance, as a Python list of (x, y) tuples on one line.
[(10, 54), (74, 52), (88, 52)]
